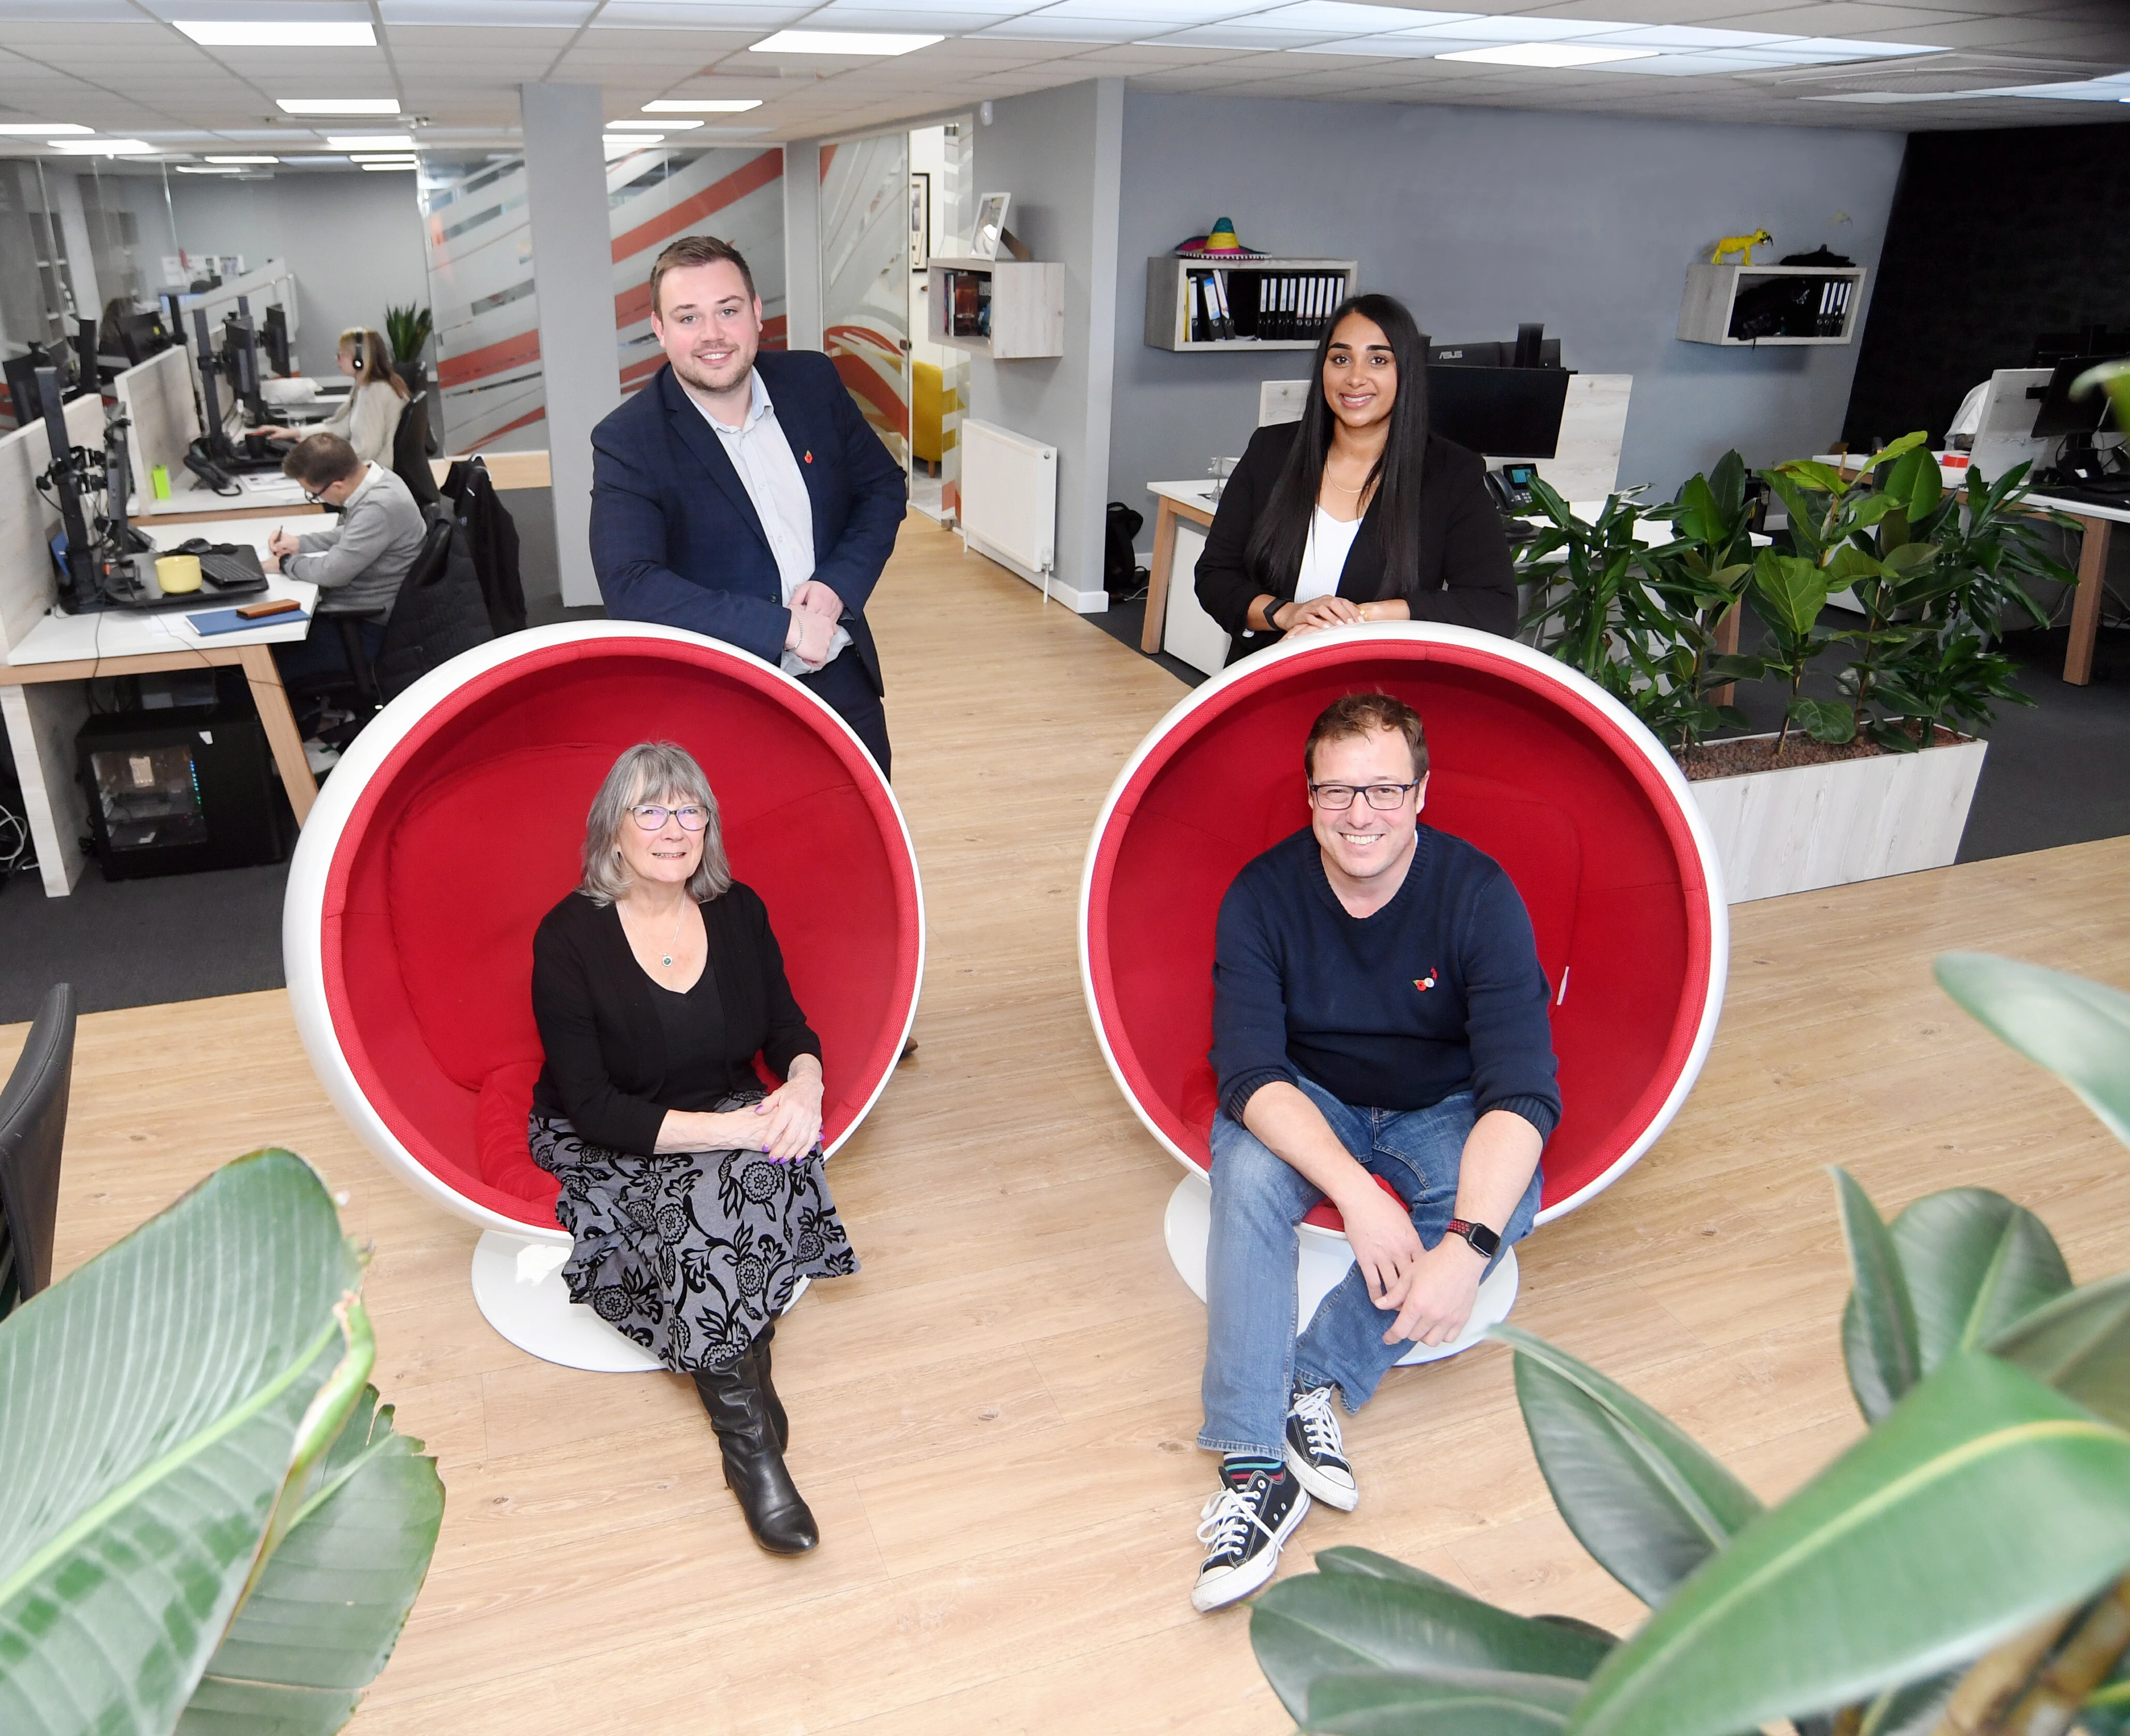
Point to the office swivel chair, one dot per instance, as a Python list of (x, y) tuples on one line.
[(33, 1113), (410, 451), (1529, 763)]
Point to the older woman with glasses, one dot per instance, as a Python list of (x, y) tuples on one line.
[(697, 1199)]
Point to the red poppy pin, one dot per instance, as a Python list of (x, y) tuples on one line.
[(1424, 983), (810, 457)]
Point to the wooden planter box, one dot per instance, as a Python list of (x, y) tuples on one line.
[(1796, 828)]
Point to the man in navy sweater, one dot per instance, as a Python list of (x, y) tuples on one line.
[(1378, 1012)]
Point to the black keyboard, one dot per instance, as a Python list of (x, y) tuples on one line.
[(2086, 493)]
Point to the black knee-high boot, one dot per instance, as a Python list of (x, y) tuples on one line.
[(776, 1513), (758, 1354)]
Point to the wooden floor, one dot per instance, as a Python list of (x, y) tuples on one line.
[(993, 1420)]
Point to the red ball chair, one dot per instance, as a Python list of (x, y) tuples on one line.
[(1529, 761), (457, 820)]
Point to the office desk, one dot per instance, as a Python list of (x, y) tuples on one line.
[(1190, 503), (283, 496), (72, 649)]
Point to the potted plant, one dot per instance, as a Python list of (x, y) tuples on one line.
[(212, 1522), (1961, 1569), (408, 330), (1839, 792)]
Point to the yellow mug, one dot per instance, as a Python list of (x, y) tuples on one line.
[(178, 573)]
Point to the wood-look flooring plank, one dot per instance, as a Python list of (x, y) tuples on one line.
[(994, 1419)]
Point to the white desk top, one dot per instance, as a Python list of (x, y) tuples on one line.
[(66, 639), (2081, 509), (272, 490), (1197, 494)]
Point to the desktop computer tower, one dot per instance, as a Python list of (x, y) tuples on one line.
[(183, 789)]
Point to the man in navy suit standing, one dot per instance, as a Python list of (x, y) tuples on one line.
[(740, 495)]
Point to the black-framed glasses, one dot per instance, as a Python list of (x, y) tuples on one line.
[(651, 817), (1336, 798)]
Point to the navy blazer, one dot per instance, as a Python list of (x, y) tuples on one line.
[(676, 540)]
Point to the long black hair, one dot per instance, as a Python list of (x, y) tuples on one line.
[(1273, 557)]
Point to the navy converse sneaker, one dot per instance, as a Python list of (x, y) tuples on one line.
[(1243, 1527), (1315, 1452)]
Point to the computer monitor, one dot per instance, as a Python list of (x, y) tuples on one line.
[(1499, 412), (140, 335), (274, 337), (240, 363), (2062, 414)]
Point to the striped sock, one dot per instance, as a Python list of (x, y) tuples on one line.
[(1238, 1468)]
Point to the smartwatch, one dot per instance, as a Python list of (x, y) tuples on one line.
[(1486, 1243), (1271, 613)]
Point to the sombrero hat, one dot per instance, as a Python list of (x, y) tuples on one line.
[(1220, 243)]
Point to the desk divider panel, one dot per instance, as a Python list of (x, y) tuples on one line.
[(157, 397)]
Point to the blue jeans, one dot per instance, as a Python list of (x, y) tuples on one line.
[(1253, 1358)]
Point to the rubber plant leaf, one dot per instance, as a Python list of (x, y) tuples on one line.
[(1985, 1501), (1792, 590), (1647, 1500), (2079, 1030), (1442, 1703), (1976, 1265), (151, 1404), (2079, 1344), (330, 1604), (1880, 1341), (1315, 1623)]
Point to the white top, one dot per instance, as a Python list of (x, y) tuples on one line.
[(368, 421), (1324, 557), (762, 456)]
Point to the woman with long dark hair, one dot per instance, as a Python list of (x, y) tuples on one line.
[(1359, 512)]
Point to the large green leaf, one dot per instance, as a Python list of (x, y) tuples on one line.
[(150, 1406), (329, 1605), (1646, 1499), (1442, 1703), (1790, 592), (2079, 1030), (1976, 1265), (1317, 1623), (2081, 1345), (1879, 1338), (1983, 1502)]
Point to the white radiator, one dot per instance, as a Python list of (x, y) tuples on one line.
[(1009, 507)]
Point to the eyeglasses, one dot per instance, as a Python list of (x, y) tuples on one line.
[(1336, 798), (692, 819)]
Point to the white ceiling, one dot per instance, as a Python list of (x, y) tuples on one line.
[(122, 68)]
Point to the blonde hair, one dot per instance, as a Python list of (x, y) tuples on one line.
[(651, 771), (373, 358)]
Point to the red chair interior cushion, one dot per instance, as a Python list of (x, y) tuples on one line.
[(473, 828), (1589, 832)]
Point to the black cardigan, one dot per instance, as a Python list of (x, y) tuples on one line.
[(1466, 577), (606, 1063)]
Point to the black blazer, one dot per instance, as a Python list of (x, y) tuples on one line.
[(1466, 577), (675, 538), (606, 1061)]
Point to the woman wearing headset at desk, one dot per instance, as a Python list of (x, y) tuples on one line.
[(370, 417), (1359, 512)]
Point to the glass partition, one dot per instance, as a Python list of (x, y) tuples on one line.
[(865, 278)]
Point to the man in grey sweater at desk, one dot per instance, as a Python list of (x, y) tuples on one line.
[(357, 564)]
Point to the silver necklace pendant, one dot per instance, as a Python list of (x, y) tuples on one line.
[(667, 960)]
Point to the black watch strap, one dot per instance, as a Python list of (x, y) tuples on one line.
[(1486, 1243), (1272, 612)]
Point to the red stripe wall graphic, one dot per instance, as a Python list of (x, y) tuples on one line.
[(481, 280)]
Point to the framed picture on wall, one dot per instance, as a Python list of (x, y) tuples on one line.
[(990, 224), (920, 221)]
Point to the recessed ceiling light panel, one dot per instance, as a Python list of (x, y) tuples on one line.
[(1548, 53), (841, 42), (702, 105), (407, 167), (42, 130), (669, 121), (244, 160), (102, 147), (337, 105), (278, 33), (371, 142)]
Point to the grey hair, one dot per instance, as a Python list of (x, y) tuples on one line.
[(646, 772)]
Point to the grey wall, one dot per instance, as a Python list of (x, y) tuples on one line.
[(354, 240), (1478, 218), (1057, 152)]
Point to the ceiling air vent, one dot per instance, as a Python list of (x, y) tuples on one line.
[(1927, 75)]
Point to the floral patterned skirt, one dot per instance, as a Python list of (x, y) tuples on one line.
[(692, 1253)]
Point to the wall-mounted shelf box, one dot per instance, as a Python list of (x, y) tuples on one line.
[(1009, 310), (1821, 308), (1262, 295)]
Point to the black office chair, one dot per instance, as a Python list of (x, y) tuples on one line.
[(33, 1112), (410, 451)]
